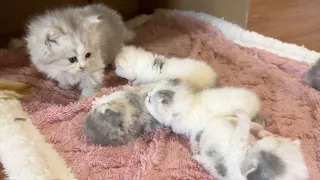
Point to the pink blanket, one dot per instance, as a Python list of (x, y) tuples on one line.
[(290, 108)]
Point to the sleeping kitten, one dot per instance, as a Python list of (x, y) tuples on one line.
[(174, 105), (312, 77), (73, 45), (223, 149), (118, 118), (140, 66), (221, 146), (275, 158)]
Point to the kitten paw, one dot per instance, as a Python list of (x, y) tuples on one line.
[(264, 133), (130, 83), (64, 86)]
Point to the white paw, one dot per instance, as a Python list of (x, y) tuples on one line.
[(64, 86), (135, 83)]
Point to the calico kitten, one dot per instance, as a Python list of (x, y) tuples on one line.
[(140, 66), (174, 105), (312, 77), (73, 45), (118, 118)]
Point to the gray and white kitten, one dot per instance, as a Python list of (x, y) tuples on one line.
[(73, 45), (118, 118), (312, 77)]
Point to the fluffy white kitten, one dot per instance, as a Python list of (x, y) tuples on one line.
[(221, 146), (73, 45), (174, 105), (140, 66), (275, 158)]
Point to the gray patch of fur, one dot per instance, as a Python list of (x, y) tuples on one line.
[(198, 136), (118, 128), (100, 128), (259, 119), (166, 96), (174, 82), (158, 63), (312, 77), (221, 169), (270, 166), (212, 151)]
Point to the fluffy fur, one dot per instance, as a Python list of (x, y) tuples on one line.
[(312, 77), (140, 66), (277, 158), (73, 45), (174, 105), (118, 118), (220, 146)]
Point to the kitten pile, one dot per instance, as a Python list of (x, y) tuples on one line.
[(74, 45), (217, 120)]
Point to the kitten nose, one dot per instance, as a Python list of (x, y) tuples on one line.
[(83, 67)]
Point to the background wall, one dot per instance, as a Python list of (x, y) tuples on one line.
[(15, 13)]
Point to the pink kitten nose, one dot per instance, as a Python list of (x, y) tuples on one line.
[(82, 67)]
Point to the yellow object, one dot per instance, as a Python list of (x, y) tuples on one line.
[(14, 90)]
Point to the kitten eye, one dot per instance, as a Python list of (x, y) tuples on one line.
[(88, 55), (73, 59)]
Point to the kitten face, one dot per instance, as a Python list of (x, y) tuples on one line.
[(125, 62), (67, 52), (159, 104)]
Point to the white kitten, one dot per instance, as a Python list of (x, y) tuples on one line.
[(73, 45), (275, 158), (223, 149), (140, 66), (221, 146), (174, 105)]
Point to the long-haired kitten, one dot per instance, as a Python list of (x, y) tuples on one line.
[(223, 149), (119, 117), (221, 146), (173, 104), (140, 66), (312, 76), (275, 158), (73, 45)]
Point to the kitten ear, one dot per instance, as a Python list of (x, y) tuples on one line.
[(93, 19), (53, 34), (124, 64)]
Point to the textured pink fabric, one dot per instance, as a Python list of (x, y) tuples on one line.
[(290, 108)]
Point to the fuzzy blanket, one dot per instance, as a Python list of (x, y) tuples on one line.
[(290, 108)]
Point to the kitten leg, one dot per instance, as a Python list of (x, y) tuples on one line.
[(135, 83), (90, 84), (64, 85)]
